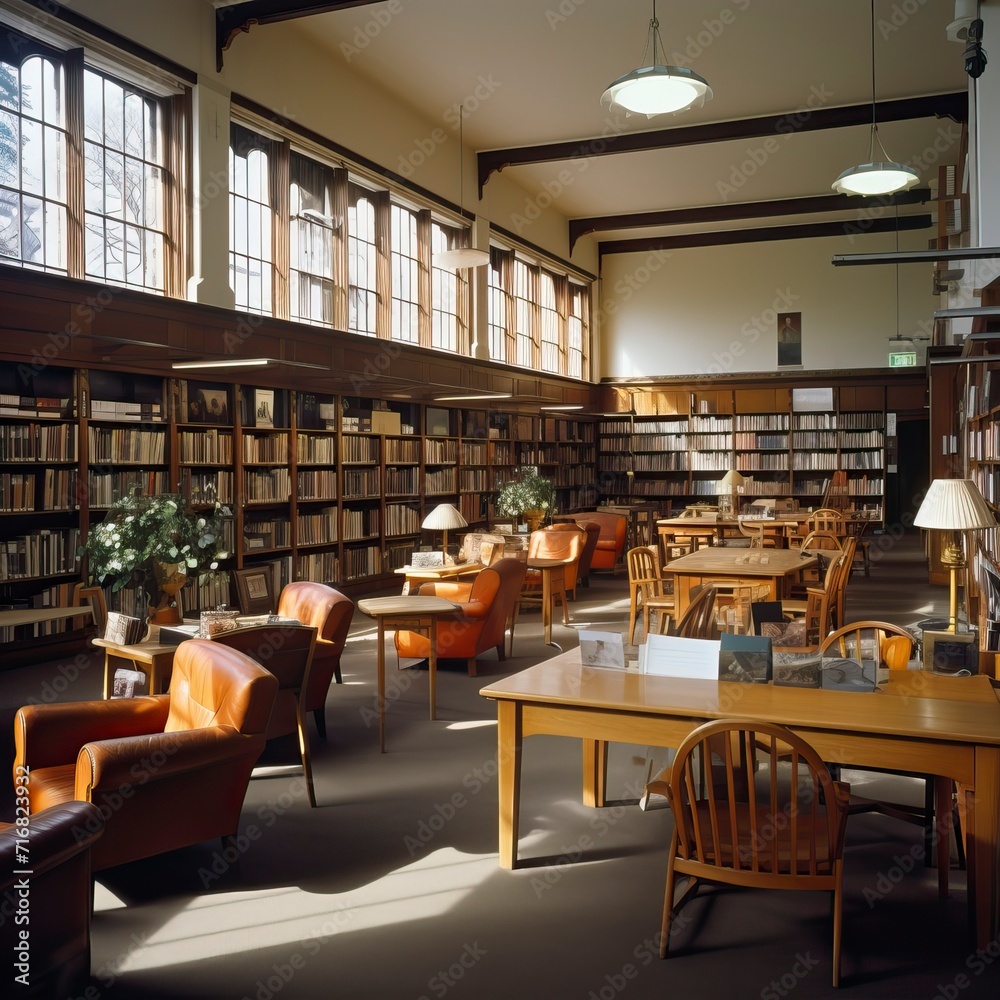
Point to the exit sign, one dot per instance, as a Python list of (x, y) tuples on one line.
[(902, 359)]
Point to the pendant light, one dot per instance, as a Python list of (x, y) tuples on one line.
[(656, 89), (459, 258), (877, 176)]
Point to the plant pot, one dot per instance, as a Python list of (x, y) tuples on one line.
[(533, 518)]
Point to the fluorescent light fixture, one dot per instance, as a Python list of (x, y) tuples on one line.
[(916, 256), (455, 399), (244, 363), (576, 406)]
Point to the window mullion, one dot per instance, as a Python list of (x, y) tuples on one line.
[(75, 253), (279, 178), (425, 293)]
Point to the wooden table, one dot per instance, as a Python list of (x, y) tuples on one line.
[(158, 657), (13, 617), (920, 722), (417, 614), (547, 567), (432, 574), (775, 567), (711, 525)]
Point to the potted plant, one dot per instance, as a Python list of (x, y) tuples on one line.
[(154, 543), (528, 497)]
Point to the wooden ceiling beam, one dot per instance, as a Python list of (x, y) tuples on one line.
[(239, 17), (763, 234), (742, 210), (952, 105)]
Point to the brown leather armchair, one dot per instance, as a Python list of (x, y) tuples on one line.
[(485, 605), (59, 893), (593, 530), (329, 612), (165, 771)]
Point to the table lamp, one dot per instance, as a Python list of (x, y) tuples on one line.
[(444, 517), (954, 505), (732, 484)]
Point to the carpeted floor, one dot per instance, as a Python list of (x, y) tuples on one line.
[(390, 889)]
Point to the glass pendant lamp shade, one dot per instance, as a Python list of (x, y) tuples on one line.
[(881, 174), (656, 89)]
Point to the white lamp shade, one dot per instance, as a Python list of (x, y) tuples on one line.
[(459, 258), (733, 478), (657, 90), (444, 517), (876, 178), (954, 505)]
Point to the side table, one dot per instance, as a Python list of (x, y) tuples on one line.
[(417, 614)]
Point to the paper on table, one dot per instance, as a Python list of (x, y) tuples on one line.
[(673, 656), (601, 649)]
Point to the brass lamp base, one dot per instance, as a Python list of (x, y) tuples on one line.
[(953, 558)]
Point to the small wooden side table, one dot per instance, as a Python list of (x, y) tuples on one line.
[(417, 614), (432, 574), (158, 657)]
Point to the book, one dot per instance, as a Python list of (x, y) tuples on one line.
[(785, 633), (745, 658), (601, 649), (796, 668), (124, 629), (839, 673)]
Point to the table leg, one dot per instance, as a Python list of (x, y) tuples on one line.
[(595, 773), (381, 686), (432, 667), (508, 778), (983, 846), (547, 604), (109, 673)]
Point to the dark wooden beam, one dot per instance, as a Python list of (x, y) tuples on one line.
[(764, 234), (230, 21), (954, 105), (742, 210)]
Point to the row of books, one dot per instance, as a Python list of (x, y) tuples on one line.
[(265, 449), (42, 553), (126, 444), (34, 406), (38, 443), (208, 447), (113, 409)]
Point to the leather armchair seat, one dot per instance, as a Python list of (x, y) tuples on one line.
[(165, 771), (485, 606), (329, 612), (59, 896)]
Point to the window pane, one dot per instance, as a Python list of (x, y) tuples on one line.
[(32, 156), (93, 107), (55, 164), (10, 148), (114, 114), (9, 86), (52, 93), (10, 224), (32, 99)]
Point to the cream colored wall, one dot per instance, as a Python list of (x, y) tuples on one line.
[(712, 310), (281, 68)]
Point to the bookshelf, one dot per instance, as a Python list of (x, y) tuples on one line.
[(678, 445)]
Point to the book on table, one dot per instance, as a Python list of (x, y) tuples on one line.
[(745, 658)]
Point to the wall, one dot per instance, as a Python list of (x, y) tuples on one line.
[(712, 310)]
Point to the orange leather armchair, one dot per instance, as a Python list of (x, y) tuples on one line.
[(485, 605), (165, 771), (59, 891), (593, 532), (329, 612), (611, 541)]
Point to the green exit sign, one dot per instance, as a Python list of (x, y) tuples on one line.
[(902, 359)]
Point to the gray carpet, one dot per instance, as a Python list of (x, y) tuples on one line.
[(390, 889)]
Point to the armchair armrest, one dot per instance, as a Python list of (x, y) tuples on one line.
[(138, 760), (49, 735)]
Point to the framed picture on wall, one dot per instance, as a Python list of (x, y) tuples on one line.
[(253, 589), (789, 340)]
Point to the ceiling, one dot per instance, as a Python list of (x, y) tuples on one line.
[(541, 66)]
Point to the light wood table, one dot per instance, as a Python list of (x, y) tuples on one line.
[(920, 722), (547, 567), (432, 574), (158, 657), (417, 614), (774, 567)]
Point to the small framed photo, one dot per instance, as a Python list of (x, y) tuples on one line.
[(505, 528), (263, 407), (253, 588), (427, 560), (210, 406), (955, 653)]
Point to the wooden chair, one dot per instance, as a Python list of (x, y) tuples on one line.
[(819, 607), (698, 620), (891, 646), (744, 828), (563, 545), (761, 534), (646, 591), (287, 652)]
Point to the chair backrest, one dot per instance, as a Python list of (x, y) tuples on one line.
[(698, 620), (94, 596), (861, 640), (642, 572), (727, 817), (212, 685), (502, 581), (822, 539), (286, 650), (326, 609), (826, 519), (754, 530)]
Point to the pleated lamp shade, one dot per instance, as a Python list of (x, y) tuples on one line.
[(954, 505)]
